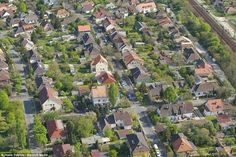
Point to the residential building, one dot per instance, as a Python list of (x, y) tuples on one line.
[(84, 28), (140, 75), (49, 100), (146, 7), (123, 119), (106, 78), (87, 6), (4, 78), (62, 13), (166, 22), (99, 64), (225, 121), (137, 144), (108, 24), (3, 65), (132, 60), (43, 81), (203, 69), (38, 68), (62, 150), (190, 55), (181, 144), (155, 91), (99, 16), (176, 112), (184, 42), (56, 131), (34, 56), (47, 26), (99, 95), (90, 141), (27, 44), (205, 89), (214, 107), (97, 153)]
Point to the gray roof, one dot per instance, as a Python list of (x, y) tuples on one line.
[(137, 142)]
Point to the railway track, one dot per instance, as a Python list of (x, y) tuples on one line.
[(200, 11)]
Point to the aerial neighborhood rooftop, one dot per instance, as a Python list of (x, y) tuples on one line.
[(134, 78)]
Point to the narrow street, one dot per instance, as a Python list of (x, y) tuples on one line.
[(28, 104)]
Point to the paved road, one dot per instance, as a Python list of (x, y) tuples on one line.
[(28, 105)]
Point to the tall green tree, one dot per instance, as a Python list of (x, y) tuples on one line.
[(22, 7), (40, 131), (170, 94), (68, 106), (113, 153), (113, 93), (4, 100)]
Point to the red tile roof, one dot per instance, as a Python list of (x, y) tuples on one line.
[(48, 93), (215, 105), (98, 59), (131, 56), (181, 144), (223, 118), (84, 28), (55, 129), (96, 153), (106, 78)]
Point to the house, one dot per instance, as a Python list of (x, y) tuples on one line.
[(184, 42), (181, 144), (214, 107), (122, 133), (31, 18), (105, 77), (176, 112), (99, 95), (99, 16), (108, 24), (62, 13), (43, 81), (27, 44), (24, 29), (107, 122), (137, 144), (84, 28), (13, 22), (225, 121), (6, 13), (140, 75), (4, 78), (132, 60), (155, 91), (97, 153), (3, 65), (84, 90), (160, 128), (99, 64), (34, 56), (190, 55), (38, 68), (47, 26), (123, 119), (56, 131), (146, 7), (203, 69), (90, 141), (7, 10), (139, 26), (51, 2), (87, 7), (88, 41), (205, 88), (230, 10), (166, 22), (2, 56), (62, 150), (121, 43), (49, 100), (121, 13)]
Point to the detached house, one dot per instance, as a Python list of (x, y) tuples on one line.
[(47, 26), (43, 81), (4, 78), (132, 60), (204, 89), (108, 24), (99, 64), (166, 22), (105, 77), (87, 7), (55, 130), (146, 7), (123, 119), (140, 75), (181, 144), (34, 56), (24, 29), (38, 68), (27, 44), (49, 100), (99, 95), (203, 69), (137, 144), (84, 28), (184, 42), (99, 16), (214, 107), (177, 111), (62, 150), (190, 55), (62, 13), (225, 121), (3, 65)]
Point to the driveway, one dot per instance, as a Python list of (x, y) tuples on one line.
[(29, 105)]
